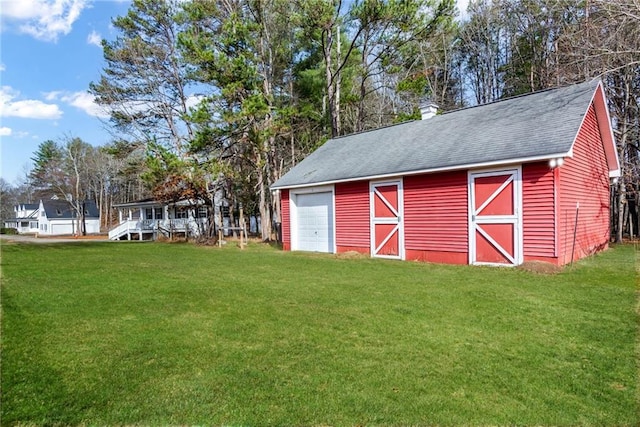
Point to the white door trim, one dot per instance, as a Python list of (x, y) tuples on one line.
[(476, 221), (398, 221)]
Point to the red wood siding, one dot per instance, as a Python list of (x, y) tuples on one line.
[(435, 217), (285, 212), (352, 216), (584, 179), (538, 217), (440, 257)]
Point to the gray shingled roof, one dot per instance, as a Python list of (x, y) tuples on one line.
[(535, 126), (28, 206), (61, 209)]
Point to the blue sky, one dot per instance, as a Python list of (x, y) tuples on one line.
[(49, 53)]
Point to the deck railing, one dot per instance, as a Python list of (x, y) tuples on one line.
[(138, 226), (122, 229)]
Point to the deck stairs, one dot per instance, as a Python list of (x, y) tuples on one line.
[(148, 229)]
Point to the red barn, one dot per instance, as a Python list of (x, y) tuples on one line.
[(525, 178)]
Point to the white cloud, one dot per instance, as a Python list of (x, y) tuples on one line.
[(21, 134), (95, 39), (27, 108), (31, 109), (194, 100), (44, 19), (82, 100), (85, 101), (5, 131), (52, 96), (2, 67)]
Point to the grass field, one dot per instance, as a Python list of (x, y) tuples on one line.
[(158, 334)]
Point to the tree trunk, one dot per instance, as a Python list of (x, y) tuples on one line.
[(334, 107), (338, 82), (622, 198), (265, 209)]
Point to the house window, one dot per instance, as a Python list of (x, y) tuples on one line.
[(153, 213), (181, 213), (202, 212), (33, 224)]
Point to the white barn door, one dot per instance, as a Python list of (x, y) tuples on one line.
[(495, 220), (387, 234)]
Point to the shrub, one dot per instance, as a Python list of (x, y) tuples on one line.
[(6, 230)]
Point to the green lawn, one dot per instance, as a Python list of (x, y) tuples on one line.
[(157, 334)]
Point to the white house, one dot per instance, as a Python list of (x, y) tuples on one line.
[(26, 218), (58, 217), (54, 218), (146, 219)]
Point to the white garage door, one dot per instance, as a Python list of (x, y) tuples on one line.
[(314, 222), (64, 228)]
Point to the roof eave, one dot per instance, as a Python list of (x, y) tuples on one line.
[(156, 203), (137, 204), (598, 100), (482, 165), (606, 130)]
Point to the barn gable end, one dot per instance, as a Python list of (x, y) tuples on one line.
[(584, 192)]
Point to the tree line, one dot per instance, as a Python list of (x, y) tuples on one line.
[(225, 96)]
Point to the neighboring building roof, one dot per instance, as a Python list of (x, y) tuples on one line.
[(536, 126), (27, 206), (30, 207), (20, 207), (150, 202), (61, 209)]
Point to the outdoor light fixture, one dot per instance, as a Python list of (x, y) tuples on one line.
[(556, 163)]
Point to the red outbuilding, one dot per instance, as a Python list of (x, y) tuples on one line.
[(526, 178)]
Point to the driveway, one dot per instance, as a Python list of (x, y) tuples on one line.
[(5, 238)]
